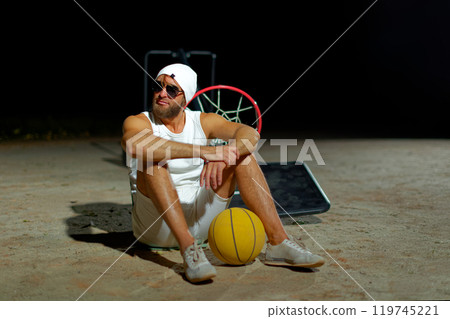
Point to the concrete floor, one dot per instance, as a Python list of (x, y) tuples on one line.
[(65, 222)]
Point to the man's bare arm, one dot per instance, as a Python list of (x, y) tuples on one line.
[(139, 141), (244, 137)]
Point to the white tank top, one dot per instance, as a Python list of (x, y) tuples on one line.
[(184, 171)]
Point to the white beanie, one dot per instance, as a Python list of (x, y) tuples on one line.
[(185, 77)]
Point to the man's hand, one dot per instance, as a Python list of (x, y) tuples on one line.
[(227, 153), (212, 173)]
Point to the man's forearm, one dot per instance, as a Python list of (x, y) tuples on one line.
[(151, 148)]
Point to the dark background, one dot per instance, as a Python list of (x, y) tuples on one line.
[(388, 76)]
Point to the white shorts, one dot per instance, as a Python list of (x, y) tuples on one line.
[(200, 206)]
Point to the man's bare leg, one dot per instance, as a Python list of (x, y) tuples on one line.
[(157, 184), (255, 193)]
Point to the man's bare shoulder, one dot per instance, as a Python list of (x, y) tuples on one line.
[(209, 121), (134, 124), (211, 118), (140, 117), (138, 121)]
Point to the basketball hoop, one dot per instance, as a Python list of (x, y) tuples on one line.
[(231, 103)]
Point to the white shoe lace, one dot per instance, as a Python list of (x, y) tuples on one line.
[(194, 254), (296, 246)]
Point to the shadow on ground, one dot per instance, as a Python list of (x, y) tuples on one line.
[(114, 222), (109, 224)]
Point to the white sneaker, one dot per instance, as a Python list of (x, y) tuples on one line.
[(289, 253), (196, 267)]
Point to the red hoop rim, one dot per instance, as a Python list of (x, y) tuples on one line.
[(232, 88)]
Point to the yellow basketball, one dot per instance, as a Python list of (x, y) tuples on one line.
[(236, 236)]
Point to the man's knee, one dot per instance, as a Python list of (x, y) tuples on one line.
[(154, 169), (155, 176)]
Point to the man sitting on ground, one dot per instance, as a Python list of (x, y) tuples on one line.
[(179, 183)]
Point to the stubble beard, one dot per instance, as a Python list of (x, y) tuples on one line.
[(165, 113)]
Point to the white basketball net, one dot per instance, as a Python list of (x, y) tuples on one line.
[(231, 115)]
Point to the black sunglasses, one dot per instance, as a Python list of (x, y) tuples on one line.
[(172, 90)]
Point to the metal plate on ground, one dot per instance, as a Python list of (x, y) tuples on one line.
[(294, 189)]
